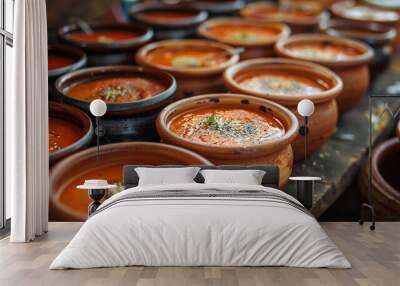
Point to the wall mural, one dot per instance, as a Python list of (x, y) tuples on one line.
[(184, 86)]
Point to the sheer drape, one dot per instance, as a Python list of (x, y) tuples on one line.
[(26, 123)]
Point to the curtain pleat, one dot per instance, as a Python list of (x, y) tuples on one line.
[(27, 120)]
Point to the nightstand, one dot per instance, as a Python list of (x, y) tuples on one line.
[(96, 190), (305, 188)]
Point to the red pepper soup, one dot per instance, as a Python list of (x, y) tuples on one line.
[(324, 51), (59, 61), (62, 133), (187, 56), (166, 16), (229, 127), (281, 83), (243, 32), (116, 89), (103, 37)]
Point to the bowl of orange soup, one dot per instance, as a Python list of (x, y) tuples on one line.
[(169, 21), (256, 38), (70, 204), (348, 58), (125, 89), (299, 20), (70, 130), (287, 82), (62, 59), (232, 129), (197, 65), (109, 44)]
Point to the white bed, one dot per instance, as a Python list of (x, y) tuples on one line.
[(246, 225)]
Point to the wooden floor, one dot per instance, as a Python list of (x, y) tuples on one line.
[(375, 257)]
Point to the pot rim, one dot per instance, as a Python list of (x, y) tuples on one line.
[(187, 72), (312, 20), (288, 138), (338, 7), (203, 31), (323, 96), (364, 58), (68, 162), (221, 7), (135, 42), (376, 155), (79, 53), (198, 17), (65, 80), (81, 142), (378, 32)]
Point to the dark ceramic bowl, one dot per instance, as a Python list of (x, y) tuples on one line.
[(115, 53), (220, 7), (65, 82), (77, 117), (171, 29)]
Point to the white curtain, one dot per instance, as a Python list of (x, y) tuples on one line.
[(27, 123)]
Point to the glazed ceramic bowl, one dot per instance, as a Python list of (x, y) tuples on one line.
[(272, 150), (359, 12), (385, 179), (255, 37), (110, 44), (377, 36), (299, 21), (197, 65), (287, 82), (348, 58), (169, 21), (217, 8), (151, 89), (70, 130), (69, 204)]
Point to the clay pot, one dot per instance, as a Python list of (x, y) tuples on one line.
[(390, 19), (78, 118), (353, 71), (69, 204), (307, 22), (217, 8), (379, 37), (385, 193), (176, 27), (191, 81), (115, 53), (322, 124), (273, 152), (253, 49)]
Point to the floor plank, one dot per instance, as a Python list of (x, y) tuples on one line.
[(375, 257)]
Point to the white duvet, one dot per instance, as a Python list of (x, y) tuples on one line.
[(200, 231)]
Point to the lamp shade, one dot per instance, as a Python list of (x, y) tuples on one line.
[(305, 107), (98, 107)]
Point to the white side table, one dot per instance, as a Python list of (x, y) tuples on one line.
[(96, 190), (305, 188)]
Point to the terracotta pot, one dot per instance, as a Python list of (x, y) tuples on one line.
[(76, 117), (191, 80), (307, 22), (219, 7), (322, 124), (377, 36), (253, 49), (390, 18), (274, 152), (114, 53), (353, 70), (385, 193), (182, 22), (69, 204)]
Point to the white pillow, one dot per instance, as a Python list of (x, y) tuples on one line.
[(247, 177), (166, 176)]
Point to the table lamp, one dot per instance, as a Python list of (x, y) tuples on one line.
[(98, 108), (305, 108)]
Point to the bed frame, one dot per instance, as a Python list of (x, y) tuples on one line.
[(270, 179)]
